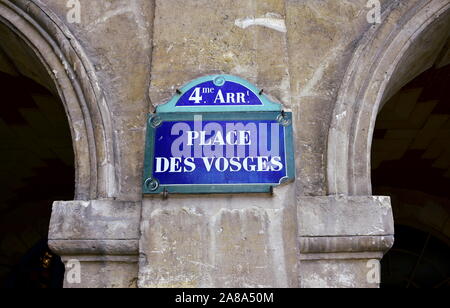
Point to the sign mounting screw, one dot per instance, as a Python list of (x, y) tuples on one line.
[(219, 81), (283, 119), (152, 184), (155, 121), (165, 194)]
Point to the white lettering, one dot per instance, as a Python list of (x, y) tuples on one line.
[(220, 167), (218, 140), (191, 137), (247, 167), (263, 164), (230, 98), (159, 165), (196, 97), (208, 164), (189, 162), (244, 138), (234, 162), (241, 98), (175, 164), (229, 136), (276, 163), (219, 98)]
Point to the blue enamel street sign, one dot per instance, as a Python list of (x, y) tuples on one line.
[(220, 93), (220, 134)]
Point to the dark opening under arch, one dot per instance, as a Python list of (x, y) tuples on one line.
[(36, 166), (411, 163)]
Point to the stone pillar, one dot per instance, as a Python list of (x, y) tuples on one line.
[(250, 240), (342, 240), (101, 236), (220, 240)]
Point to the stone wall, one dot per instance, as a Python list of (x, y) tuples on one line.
[(301, 53)]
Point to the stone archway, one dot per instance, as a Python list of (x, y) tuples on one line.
[(406, 43), (75, 82), (392, 54), (93, 227)]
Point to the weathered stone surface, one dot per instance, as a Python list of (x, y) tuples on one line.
[(340, 236), (102, 236), (321, 36), (127, 57), (387, 57), (219, 244), (213, 42), (345, 216), (106, 275), (174, 249), (117, 35), (103, 220), (335, 274), (244, 237)]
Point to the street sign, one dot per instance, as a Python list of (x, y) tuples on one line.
[(219, 92), (219, 134)]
